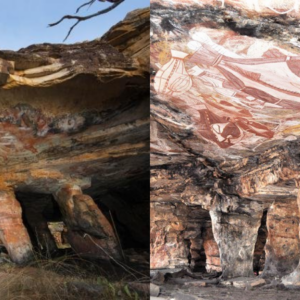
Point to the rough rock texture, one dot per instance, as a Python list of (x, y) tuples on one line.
[(78, 116), (225, 127), (185, 235), (282, 247), (13, 233), (235, 228), (131, 37), (90, 233)]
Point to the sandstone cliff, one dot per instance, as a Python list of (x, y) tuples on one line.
[(74, 134)]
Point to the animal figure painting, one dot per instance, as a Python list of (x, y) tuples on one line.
[(235, 85)]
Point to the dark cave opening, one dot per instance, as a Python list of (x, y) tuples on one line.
[(202, 250), (127, 209), (259, 250), (43, 221)]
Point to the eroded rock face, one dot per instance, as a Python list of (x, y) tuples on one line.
[(282, 247), (235, 230), (225, 126), (76, 115), (86, 222), (13, 233)]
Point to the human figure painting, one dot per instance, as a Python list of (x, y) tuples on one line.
[(239, 91)]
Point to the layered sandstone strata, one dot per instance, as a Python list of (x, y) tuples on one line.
[(74, 127)]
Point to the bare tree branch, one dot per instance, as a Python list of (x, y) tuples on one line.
[(90, 3), (80, 19)]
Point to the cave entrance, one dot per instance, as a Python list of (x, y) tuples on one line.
[(259, 250), (127, 208), (203, 252), (43, 220)]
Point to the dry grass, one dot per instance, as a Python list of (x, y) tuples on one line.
[(66, 278)]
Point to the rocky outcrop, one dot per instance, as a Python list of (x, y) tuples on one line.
[(131, 37), (225, 129), (77, 116)]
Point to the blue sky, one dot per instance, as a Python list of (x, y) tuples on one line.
[(25, 22)]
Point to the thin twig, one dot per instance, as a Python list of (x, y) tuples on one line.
[(117, 235), (90, 3), (80, 19), (118, 263)]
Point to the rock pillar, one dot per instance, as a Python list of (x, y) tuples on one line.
[(13, 233), (294, 277), (235, 229), (89, 232), (282, 246)]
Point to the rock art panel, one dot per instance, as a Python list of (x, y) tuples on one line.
[(233, 87), (225, 111)]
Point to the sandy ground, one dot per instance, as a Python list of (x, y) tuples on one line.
[(218, 292)]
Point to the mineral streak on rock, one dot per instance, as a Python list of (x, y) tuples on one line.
[(75, 115), (225, 134)]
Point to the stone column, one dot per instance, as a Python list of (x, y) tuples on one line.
[(294, 277), (282, 246), (235, 229), (13, 233), (213, 263), (89, 232)]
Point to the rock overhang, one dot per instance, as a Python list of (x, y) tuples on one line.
[(75, 113)]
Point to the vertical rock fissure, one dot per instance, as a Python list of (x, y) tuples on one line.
[(259, 250)]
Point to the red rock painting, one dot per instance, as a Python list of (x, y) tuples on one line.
[(234, 87)]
